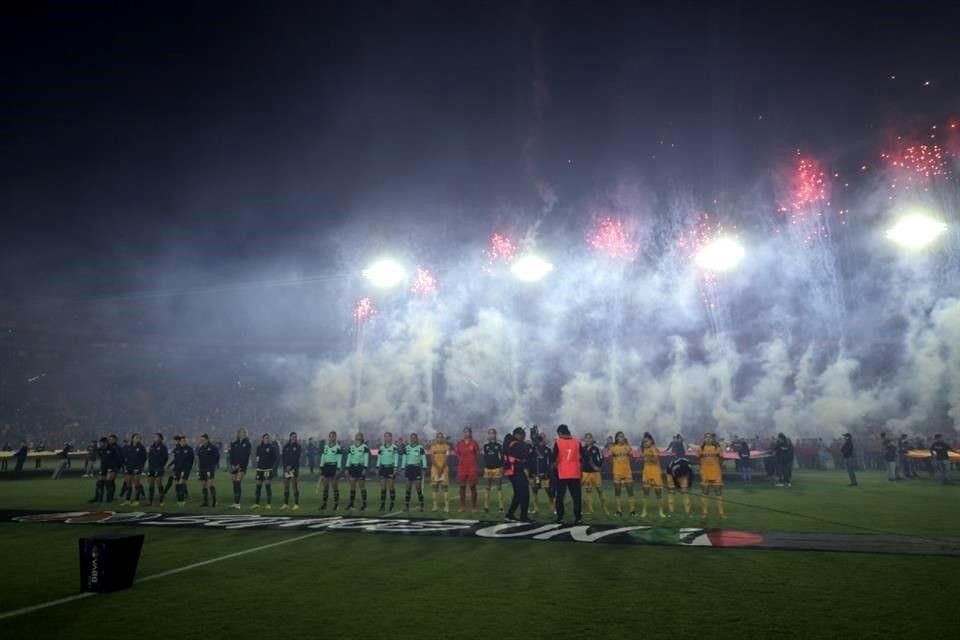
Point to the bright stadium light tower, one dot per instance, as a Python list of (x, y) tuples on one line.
[(530, 268), (916, 231), (721, 254), (385, 274)]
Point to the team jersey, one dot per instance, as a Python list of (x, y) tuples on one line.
[(622, 455), (414, 455), (332, 454), (388, 455), (358, 454), (467, 452), (651, 460), (541, 457), (492, 455), (438, 454), (711, 455)]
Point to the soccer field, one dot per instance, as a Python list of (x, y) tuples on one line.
[(351, 585)]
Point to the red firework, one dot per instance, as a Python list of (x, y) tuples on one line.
[(915, 165), (424, 282), (808, 188), (611, 239), (363, 310), (502, 250)]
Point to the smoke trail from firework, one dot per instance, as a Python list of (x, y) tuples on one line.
[(611, 240), (362, 312), (426, 337), (691, 242), (808, 212)]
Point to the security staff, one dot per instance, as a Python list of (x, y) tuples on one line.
[(516, 453), (566, 452)]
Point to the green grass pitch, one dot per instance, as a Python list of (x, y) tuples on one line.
[(341, 585)]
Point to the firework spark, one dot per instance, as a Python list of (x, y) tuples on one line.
[(611, 239), (424, 282), (808, 189), (502, 250), (915, 166), (363, 310)]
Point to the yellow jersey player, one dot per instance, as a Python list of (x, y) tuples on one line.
[(711, 474), (622, 454), (652, 474), (439, 471)]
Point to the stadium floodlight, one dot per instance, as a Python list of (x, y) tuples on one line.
[(721, 254), (385, 273), (916, 231), (531, 268)]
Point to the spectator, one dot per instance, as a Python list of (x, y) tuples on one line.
[(849, 460), (940, 452), (742, 447), (903, 450)]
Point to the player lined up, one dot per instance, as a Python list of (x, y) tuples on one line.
[(353, 464)]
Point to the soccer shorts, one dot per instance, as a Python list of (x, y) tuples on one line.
[(439, 476), (153, 472), (542, 481), (357, 471), (492, 474), (591, 479), (206, 475), (264, 475), (681, 482), (622, 477), (413, 472), (134, 471), (329, 471), (652, 480), (238, 468), (104, 471), (181, 474), (711, 482), (291, 473), (387, 471), (467, 477)]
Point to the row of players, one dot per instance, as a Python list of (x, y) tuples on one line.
[(489, 461)]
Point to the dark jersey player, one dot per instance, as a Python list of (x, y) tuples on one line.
[(679, 476), (134, 460), (492, 454), (267, 460), (290, 459), (182, 463), (208, 458), (238, 458), (157, 458)]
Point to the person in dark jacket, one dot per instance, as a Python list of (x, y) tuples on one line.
[(208, 458), (516, 453), (540, 465), (849, 459), (134, 460), (783, 451), (940, 452), (238, 458), (111, 461), (157, 457), (267, 460), (290, 459), (21, 456), (182, 463)]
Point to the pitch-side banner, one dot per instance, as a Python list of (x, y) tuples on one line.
[(483, 530)]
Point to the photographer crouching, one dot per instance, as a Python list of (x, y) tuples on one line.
[(516, 452)]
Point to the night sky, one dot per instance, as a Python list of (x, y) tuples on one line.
[(164, 151)]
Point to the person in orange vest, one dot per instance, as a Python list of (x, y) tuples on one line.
[(566, 454)]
